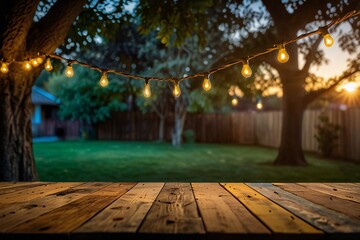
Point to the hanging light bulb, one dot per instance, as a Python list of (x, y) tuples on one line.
[(328, 40), (259, 105), (246, 70), (69, 72), (4, 68), (177, 90), (147, 90), (35, 62), (234, 101), (282, 56), (39, 60), (104, 80), (48, 66), (27, 65), (206, 83)]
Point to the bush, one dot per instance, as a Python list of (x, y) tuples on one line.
[(189, 136), (327, 135)]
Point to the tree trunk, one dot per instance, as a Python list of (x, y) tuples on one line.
[(161, 128), (16, 156), (180, 115), (290, 150), (21, 38)]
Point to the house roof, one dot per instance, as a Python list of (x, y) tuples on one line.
[(42, 97)]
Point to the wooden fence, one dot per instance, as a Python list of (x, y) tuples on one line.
[(259, 128), (64, 129)]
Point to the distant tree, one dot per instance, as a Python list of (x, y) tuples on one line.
[(83, 99)]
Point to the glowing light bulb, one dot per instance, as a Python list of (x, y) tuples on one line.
[(259, 105), (177, 90), (206, 84), (48, 66), (69, 72), (39, 60), (246, 70), (27, 65), (4, 68), (234, 101), (328, 40), (282, 56), (147, 90), (104, 80), (350, 87), (35, 62)]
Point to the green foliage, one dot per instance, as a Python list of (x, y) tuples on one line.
[(327, 135), (176, 20), (85, 100), (189, 136)]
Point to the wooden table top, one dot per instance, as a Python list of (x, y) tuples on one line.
[(104, 210)]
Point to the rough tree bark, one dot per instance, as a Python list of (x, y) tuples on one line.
[(20, 39)]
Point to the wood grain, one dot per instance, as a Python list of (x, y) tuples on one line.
[(174, 211), (17, 214), (19, 186), (346, 207), (70, 216), (127, 212), (275, 217), (319, 216), (222, 213), (34, 192), (337, 192)]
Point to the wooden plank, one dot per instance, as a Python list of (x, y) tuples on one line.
[(340, 193), (67, 218), (346, 207), (16, 214), (222, 213), (275, 217), (32, 193), (16, 187), (126, 213), (319, 216), (16, 184), (174, 211), (352, 187)]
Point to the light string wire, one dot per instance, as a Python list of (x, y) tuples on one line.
[(321, 30)]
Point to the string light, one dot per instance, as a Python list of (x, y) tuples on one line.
[(147, 90), (35, 62), (206, 83), (4, 68), (246, 70), (27, 65), (69, 72), (104, 81), (259, 105), (177, 90), (48, 67), (234, 101), (282, 56), (328, 40)]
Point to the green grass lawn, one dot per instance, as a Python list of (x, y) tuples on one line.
[(147, 161)]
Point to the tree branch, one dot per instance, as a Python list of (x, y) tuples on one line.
[(311, 96), (47, 34), (277, 12), (311, 55), (15, 21)]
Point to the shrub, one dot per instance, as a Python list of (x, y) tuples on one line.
[(189, 136), (327, 135)]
